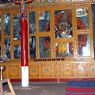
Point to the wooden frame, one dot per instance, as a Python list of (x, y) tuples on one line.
[(47, 69), (6, 87)]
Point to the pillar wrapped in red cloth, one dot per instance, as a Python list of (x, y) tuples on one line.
[(24, 42)]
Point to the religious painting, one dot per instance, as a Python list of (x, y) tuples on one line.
[(7, 24), (17, 51), (32, 22), (0, 28), (7, 48), (16, 27), (82, 18), (64, 49), (45, 47), (44, 21), (93, 15), (83, 45), (32, 47), (50, 1), (0, 35), (63, 24), (0, 50)]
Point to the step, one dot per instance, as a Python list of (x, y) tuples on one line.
[(80, 89)]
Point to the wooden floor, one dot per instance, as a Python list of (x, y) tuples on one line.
[(41, 89)]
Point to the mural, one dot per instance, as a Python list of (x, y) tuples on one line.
[(50, 1), (63, 24), (7, 24), (5, 1), (17, 51), (82, 18), (0, 28), (0, 35), (93, 14), (16, 27), (45, 47), (84, 45), (44, 21), (64, 49), (0, 51), (32, 47), (6, 48), (43, 1), (32, 23)]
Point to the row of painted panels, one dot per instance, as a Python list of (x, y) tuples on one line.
[(84, 70)]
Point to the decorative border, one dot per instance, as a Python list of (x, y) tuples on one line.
[(46, 2)]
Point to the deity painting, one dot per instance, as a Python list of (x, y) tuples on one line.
[(32, 23), (64, 49), (32, 47), (0, 35), (7, 48), (44, 21), (63, 24), (0, 50), (45, 47), (82, 18), (17, 51), (16, 27), (93, 15), (83, 45), (7, 24), (0, 28)]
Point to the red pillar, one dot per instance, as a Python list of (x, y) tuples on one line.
[(24, 42), (24, 53)]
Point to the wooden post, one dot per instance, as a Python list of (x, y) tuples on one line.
[(24, 46)]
